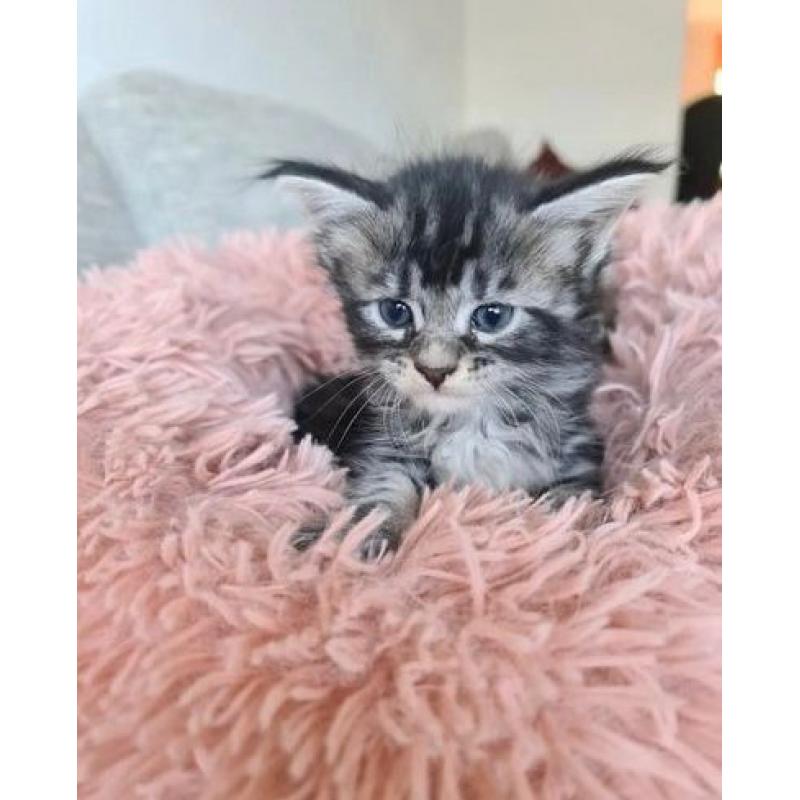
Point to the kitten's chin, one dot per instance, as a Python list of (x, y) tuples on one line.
[(441, 403)]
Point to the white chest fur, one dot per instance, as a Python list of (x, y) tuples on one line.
[(489, 452)]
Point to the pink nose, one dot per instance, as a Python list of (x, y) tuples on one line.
[(434, 375)]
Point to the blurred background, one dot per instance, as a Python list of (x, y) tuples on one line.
[(180, 103)]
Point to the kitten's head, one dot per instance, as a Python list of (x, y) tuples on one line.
[(463, 281)]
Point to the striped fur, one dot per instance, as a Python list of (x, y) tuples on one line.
[(446, 236)]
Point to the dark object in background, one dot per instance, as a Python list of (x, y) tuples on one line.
[(701, 150), (548, 167), (548, 164)]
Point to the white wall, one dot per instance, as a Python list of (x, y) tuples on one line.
[(593, 77), (391, 69)]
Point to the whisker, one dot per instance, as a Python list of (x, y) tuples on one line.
[(351, 404), (540, 391), (546, 420), (496, 393), (358, 413), (317, 388), (357, 378), (399, 418), (385, 410)]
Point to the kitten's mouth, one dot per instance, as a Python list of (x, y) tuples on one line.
[(446, 397), (440, 400)]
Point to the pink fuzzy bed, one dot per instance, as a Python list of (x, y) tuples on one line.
[(504, 653)]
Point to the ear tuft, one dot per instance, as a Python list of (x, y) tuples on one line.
[(593, 201), (323, 200), (328, 192), (604, 191)]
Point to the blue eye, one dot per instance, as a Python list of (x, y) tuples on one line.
[(491, 318), (395, 313)]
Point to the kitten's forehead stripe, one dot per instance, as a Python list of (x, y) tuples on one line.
[(507, 282), (443, 225), (418, 225), (480, 282), (404, 279)]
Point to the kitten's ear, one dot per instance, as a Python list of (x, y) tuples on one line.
[(593, 201), (323, 200), (328, 192)]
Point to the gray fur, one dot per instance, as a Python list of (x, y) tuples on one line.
[(442, 400)]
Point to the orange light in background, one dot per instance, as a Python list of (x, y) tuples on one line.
[(718, 66), (702, 57)]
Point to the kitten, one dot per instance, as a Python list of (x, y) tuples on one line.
[(472, 294)]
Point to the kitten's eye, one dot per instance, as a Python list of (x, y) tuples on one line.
[(491, 318), (395, 313)]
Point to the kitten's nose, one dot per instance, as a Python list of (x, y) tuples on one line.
[(434, 375)]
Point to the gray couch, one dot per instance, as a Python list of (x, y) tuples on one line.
[(159, 156)]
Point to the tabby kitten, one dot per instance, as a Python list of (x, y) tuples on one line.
[(472, 294)]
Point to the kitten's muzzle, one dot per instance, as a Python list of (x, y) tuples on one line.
[(434, 375)]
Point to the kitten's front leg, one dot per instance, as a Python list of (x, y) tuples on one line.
[(393, 486), (579, 471), (558, 494)]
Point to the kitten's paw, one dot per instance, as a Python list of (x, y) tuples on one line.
[(309, 534), (555, 497), (378, 544)]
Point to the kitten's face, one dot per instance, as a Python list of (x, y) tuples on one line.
[(454, 345), (462, 282)]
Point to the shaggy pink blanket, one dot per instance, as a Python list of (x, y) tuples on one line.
[(504, 653)]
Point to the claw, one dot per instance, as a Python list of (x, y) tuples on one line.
[(378, 544), (373, 548), (303, 539)]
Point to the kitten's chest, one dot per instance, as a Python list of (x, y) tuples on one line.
[(489, 453)]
